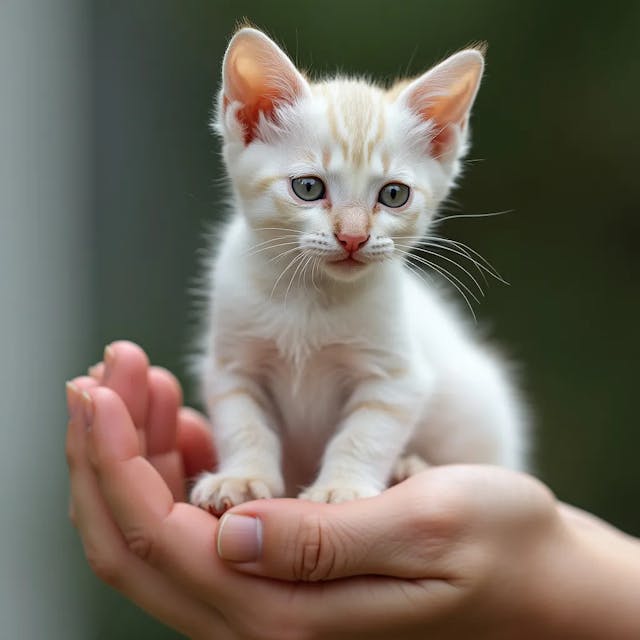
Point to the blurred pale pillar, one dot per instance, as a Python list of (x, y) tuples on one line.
[(45, 222)]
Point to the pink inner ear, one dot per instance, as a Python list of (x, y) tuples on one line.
[(449, 111), (441, 141), (249, 115), (259, 98), (259, 76), (444, 97)]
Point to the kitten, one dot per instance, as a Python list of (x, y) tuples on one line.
[(330, 365)]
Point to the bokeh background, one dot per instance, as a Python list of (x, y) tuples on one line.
[(109, 179)]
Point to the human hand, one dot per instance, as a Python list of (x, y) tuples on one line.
[(458, 552), (160, 553)]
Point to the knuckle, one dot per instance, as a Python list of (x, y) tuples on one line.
[(105, 567), (438, 515), (139, 542), (315, 553)]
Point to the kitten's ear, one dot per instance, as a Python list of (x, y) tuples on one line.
[(257, 76), (443, 97)]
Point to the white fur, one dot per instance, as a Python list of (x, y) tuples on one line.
[(324, 377)]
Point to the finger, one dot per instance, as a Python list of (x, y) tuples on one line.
[(75, 445), (195, 442), (125, 372), (165, 396), (404, 532), (105, 548)]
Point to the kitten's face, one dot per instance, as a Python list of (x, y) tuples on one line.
[(338, 174)]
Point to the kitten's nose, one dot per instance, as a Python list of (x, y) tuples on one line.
[(351, 243)]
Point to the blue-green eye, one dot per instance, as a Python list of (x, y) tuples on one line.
[(394, 194), (308, 188)]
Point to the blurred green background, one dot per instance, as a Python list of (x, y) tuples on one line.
[(555, 138)]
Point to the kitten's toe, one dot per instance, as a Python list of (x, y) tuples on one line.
[(217, 492), (259, 490), (343, 494), (408, 466), (337, 494)]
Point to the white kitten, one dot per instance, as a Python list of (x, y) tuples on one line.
[(329, 365)]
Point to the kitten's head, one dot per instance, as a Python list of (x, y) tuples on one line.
[(342, 169)]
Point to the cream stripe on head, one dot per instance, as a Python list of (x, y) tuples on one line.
[(356, 118)]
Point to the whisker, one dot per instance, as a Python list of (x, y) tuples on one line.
[(473, 215), (490, 269), (300, 264), (270, 240), (460, 252), (475, 319), (296, 231), (481, 263), (444, 273), (273, 246), (284, 253), (316, 263), (291, 263), (305, 270), (463, 254), (480, 267), (433, 253), (462, 245), (420, 273)]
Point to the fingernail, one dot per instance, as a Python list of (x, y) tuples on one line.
[(74, 403), (239, 538), (108, 358), (94, 370), (87, 411)]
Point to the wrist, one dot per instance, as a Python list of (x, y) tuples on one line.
[(586, 581)]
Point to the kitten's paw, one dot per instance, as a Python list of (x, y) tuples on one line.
[(408, 466), (335, 494), (217, 492)]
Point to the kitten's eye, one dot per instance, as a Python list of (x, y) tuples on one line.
[(308, 188), (394, 194)]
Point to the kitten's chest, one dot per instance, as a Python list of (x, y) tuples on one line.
[(305, 400), (305, 391)]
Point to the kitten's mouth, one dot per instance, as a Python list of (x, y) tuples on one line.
[(349, 261), (346, 269)]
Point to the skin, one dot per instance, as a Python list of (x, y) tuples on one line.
[(453, 552)]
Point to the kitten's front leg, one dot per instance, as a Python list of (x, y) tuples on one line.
[(248, 449), (379, 421)]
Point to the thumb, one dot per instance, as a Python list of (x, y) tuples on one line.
[(399, 533)]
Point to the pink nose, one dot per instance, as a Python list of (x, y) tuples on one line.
[(351, 243)]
